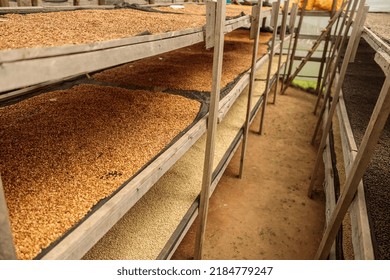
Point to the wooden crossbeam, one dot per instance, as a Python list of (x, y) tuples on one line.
[(256, 10), (212, 127)]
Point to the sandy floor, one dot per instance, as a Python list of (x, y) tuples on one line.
[(267, 214)]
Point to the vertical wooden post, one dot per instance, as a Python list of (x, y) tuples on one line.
[(275, 7), (343, 71), (295, 42), (293, 16), (363, 15), (102, 2), (282, 36), (210, 24), (371, 136), (256, 10), (4, 3), (7, 249), (212, 127)]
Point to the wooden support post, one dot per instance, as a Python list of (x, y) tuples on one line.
[(4, 3), (343, 71), (256, 10), (282, 36), (371, 136), (210, 23), (293, 16), (363, 17), (7, 248), (255, 22), (102, 2), (338, 49), (335, 50), (212, 127), (303, 10), (275, 6)]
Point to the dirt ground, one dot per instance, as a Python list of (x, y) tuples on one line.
[(267, 214)]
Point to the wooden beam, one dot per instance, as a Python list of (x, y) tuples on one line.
[(362, 16), (343, 71), (275, 6), (255, 22), (282, 34), (210, 23), (293, 16), (367, 147), (212, 127), (257, 11), (7, 248)]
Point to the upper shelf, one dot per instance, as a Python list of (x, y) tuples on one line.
[(42, 64)]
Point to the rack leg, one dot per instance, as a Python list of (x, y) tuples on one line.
[(212, 127), (282, 36), (275, 7), (251, 85)]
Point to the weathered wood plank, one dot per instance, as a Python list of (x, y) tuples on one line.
[(362, 15), (4, 3), (69, 65), (31, 53), (211, 9), (256, 10)]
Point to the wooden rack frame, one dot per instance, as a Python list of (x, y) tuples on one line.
[(78, 242)]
